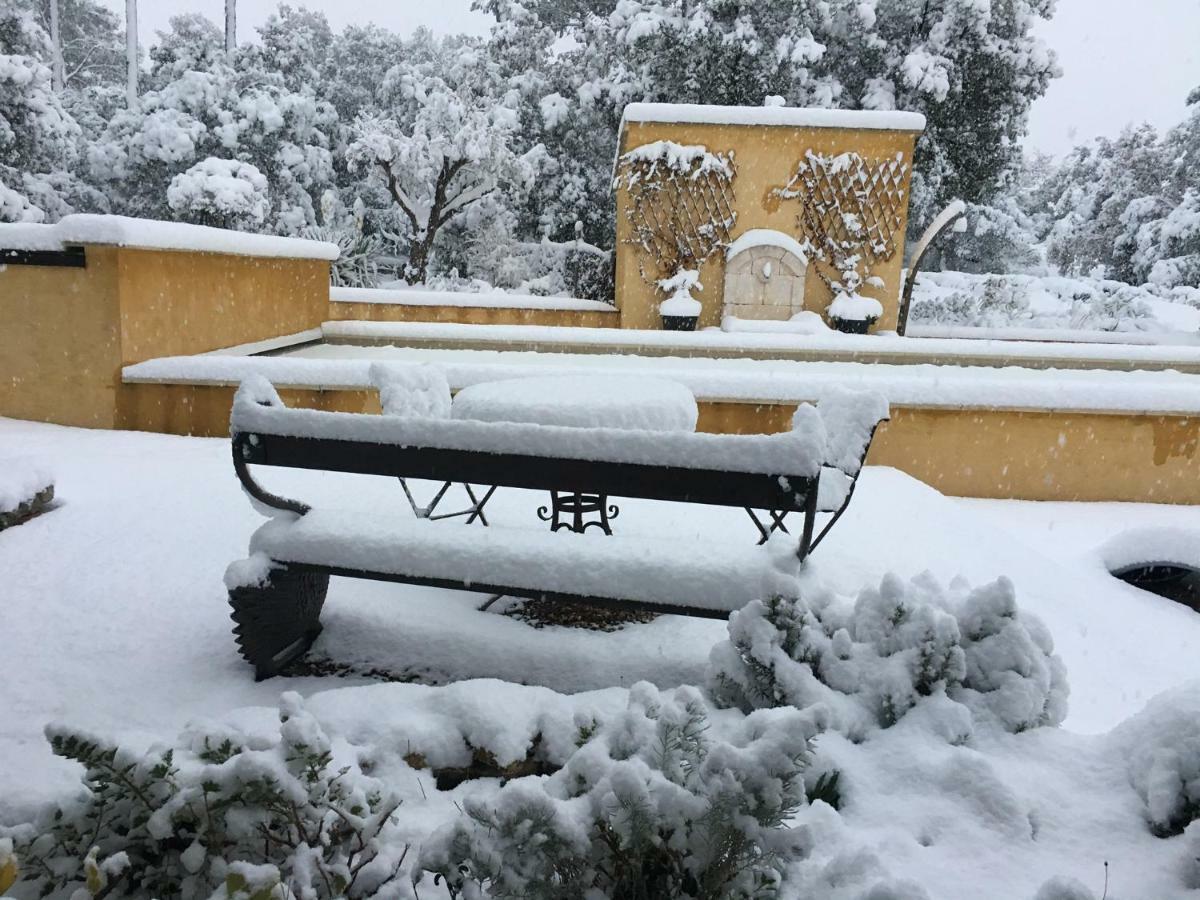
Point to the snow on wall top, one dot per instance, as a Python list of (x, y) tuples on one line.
[(766, 237), (730, 380), (787, 116), (148, 234)]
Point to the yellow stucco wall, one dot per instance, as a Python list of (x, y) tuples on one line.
[(1022, 454), (174, 303), (472, 315), (65, 333), (766, 157), (60, 341)]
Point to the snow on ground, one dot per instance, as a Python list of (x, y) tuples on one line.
[(115, 620)]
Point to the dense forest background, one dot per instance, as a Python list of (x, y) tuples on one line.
[(461, 161)]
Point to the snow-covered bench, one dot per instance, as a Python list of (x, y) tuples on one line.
[(278, 592)]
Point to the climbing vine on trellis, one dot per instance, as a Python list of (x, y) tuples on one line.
[(851, 209), (680, 205)]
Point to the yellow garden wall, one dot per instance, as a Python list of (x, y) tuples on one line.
[(1014, 454), (765, 158), (60, 341), (472, 315), (66, 332)]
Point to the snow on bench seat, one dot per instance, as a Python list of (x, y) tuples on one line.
[(709, 576), (797, 453)]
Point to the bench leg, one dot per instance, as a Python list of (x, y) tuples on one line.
[(276, 623), (777, 523)]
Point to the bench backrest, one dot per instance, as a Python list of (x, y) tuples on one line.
[(769, 472)]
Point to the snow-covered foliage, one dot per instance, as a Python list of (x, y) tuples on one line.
[(870, 661), (1125, 208), (678, 289), (39, 141), (218, 816), (226, 193), (650, 805), (1161, 745), (205, 104), (1030, 301), (939, 59), (443, 148)]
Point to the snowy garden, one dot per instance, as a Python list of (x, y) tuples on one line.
[(678, 449), (973, 701)]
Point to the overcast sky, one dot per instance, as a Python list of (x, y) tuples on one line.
[(1123, 61)]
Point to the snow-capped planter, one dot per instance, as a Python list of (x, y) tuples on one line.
[(850, 311), (1162, 560), (680, 311)]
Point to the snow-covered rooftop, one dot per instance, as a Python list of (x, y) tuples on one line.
[(786, 116), (148, 234)]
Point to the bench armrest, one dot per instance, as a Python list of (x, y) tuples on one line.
[(258, 390)]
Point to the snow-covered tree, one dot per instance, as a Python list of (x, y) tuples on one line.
[(226, 193), (440, 151), (973, 68), (93, 42), (206, 104), (38, 137)]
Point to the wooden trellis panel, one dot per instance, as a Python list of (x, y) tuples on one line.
[(850, 205), (680, 214)]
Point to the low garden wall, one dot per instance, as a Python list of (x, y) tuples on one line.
[(382, 305), (83, 298)]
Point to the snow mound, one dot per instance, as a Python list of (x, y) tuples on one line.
[(582, 401), (416, 391), (1161, 747), (21, 479), (1151, 546)]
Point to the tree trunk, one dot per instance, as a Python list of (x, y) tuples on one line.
[(131, 53), (418, 259), (230, 26), (56, 63)]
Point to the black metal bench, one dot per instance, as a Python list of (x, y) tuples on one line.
[(278, 593)]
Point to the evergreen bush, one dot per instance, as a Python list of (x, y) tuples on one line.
[(869, 662), (220, 820)]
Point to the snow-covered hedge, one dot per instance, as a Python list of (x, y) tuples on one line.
[(869, 662), (1030, 301), (217, 817), (650, 805), (650, 801)]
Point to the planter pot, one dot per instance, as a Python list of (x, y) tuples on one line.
[(679, 323), (852, 326)]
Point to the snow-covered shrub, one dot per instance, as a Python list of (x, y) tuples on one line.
[(226, 193), (356, 265), (650, 805), (591, 276), (870, 662), (1026, 301), (1162, 747), (218, 816)]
